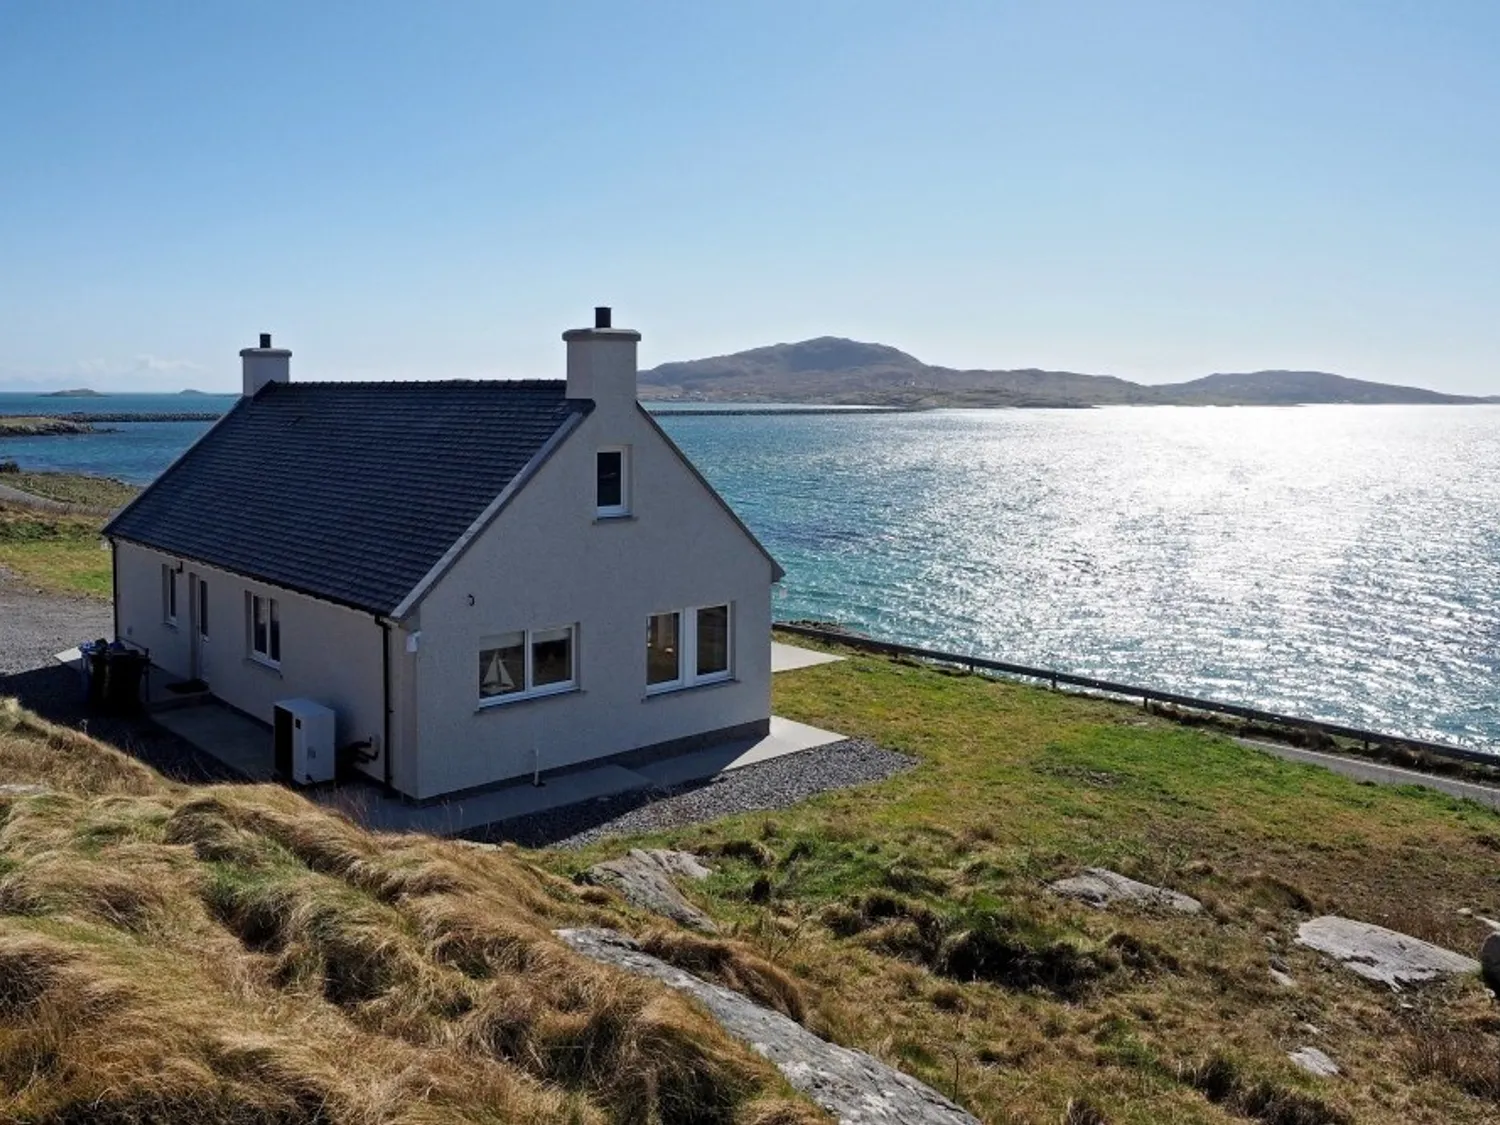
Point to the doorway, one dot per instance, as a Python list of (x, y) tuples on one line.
[(198, 627)]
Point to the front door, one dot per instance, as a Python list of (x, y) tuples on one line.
[(198, 626)]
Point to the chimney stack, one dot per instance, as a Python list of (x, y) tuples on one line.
[(602, 362), (263, 365)]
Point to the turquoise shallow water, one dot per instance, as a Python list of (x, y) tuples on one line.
[(1337, 562)]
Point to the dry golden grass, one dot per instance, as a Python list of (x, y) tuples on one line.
[(237, 955)]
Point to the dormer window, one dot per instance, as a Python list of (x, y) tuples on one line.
[(612, 482)]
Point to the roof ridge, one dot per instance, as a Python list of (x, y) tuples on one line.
[(364, 383)]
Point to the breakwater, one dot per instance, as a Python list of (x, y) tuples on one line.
[(89, 417)]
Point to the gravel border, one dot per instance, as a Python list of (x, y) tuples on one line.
[(776, 784)]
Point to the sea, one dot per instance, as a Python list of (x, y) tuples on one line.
[(1334, 562)]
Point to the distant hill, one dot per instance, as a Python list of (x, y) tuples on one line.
[(834, 370), (75, 392), (1280, 388), (837, 371)]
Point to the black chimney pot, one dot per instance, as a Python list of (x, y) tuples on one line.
[(265, 339), (601, 316)]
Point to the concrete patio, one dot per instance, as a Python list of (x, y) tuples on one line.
[(244, 744), (788, 658)]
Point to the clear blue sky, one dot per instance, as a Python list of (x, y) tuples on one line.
[(1156, 189)]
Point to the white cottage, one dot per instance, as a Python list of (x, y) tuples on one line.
[(481, 580)]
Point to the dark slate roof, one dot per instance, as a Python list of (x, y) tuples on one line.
[(350, 492)]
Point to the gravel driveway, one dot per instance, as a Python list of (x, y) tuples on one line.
[(34, 626)]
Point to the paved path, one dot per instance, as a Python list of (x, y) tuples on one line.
[(1379, 773), (788, 658)]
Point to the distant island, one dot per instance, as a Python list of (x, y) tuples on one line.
[(75, 392), (191, 391), (834, 371)]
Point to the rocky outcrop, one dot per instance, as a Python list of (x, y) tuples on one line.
[(644, 878), (15, 426), (1382, 955), (858, 1089), (1100, 887)]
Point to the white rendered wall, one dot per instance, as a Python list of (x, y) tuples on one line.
[(329, 654), (546, 561)]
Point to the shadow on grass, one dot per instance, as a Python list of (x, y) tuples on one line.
[(55, 692)]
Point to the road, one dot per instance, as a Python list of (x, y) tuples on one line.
[(1362, 770)]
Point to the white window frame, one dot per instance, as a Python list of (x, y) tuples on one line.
[(273, 609), (529, 639), (613, 511), (169, 594), (687, 650)]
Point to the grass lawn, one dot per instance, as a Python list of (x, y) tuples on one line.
[(103, 493), (60, 552), (915, 911)]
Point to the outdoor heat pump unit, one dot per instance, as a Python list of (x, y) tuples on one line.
[(304, 741)]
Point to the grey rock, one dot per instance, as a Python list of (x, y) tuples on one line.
[(1314, 1061), (644, 878), (1282, 979), (1279, 965), (1379, 954), (858, 1089), (1309, 1029), (1490, 922), (683, 864), (1100, 887), (1489, 961)]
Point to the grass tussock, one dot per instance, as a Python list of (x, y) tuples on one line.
[(731, 964), (236, 955), (1222, 1081), (981, 938), (1467, 1057)]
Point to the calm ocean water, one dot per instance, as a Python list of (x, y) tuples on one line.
[(1337, 562)]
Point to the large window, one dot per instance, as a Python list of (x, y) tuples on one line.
[(687, 647), (264, 621), (169, 593), (526, 663), (612, 482)]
